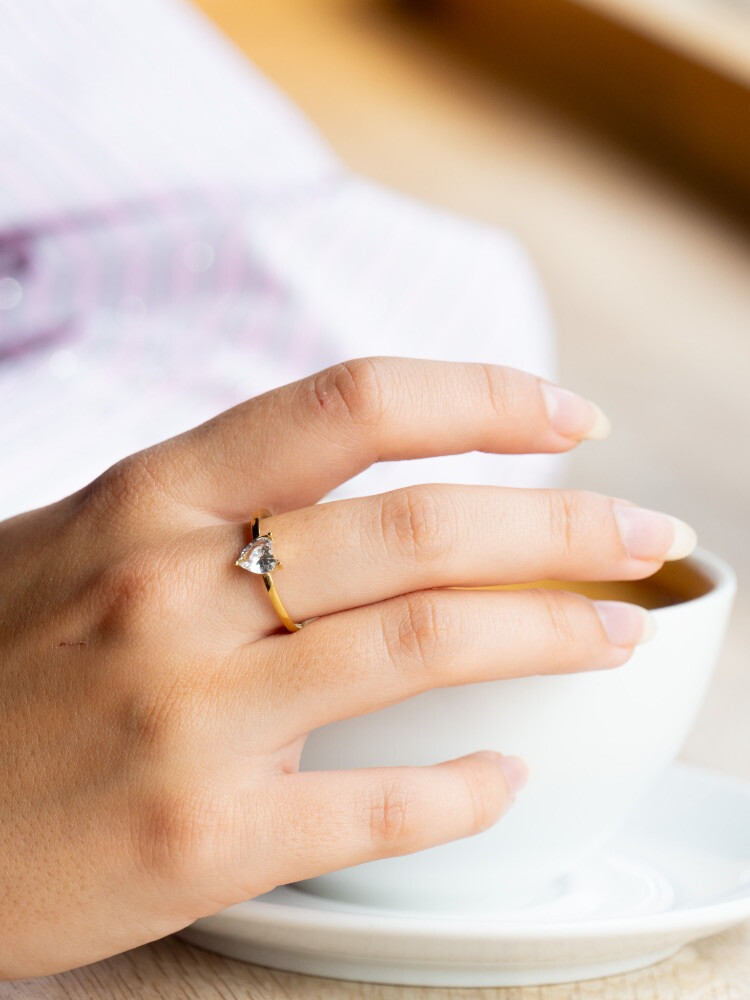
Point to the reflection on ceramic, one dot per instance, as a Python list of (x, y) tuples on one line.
[(594, 742), (678, 871)]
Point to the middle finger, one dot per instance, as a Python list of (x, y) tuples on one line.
[(364, 659)]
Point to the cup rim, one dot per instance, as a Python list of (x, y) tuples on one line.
[(719, 573)]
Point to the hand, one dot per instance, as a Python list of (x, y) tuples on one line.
[(153, 710)]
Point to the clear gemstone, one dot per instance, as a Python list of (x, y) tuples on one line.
[(258, 557)]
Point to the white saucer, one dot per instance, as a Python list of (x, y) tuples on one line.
[(678, 872)]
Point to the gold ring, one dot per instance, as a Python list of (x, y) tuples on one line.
[(258, 557)]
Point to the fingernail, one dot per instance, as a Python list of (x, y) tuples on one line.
[(648, 534), (516, 773), (572, 415), (625, 624)]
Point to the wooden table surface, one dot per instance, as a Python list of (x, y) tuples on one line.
[(717, 968), (651, 293)]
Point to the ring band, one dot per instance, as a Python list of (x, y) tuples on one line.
[(258, 557)]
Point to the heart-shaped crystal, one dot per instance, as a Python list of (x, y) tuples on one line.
[(258, 557)]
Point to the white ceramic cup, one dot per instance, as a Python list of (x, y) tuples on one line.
[(594, 742)]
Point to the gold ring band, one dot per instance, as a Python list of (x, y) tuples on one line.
[(258, 557)]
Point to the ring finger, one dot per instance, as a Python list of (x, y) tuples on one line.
[(350, 553)]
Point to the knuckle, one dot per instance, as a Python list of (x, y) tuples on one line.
[(412, 521), (502, 389), (561, 620), (142, 588), (352, 392), (126, 593), (564, 516), (393, 818), (132, 484), (420, 634), (177, 831)]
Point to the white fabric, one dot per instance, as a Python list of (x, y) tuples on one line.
[(174, 238)]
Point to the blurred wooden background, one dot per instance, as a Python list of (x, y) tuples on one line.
[(668, 79)]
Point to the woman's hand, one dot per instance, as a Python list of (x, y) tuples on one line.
[(153, 712)]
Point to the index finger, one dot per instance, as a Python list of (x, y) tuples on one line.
[(289, 447)]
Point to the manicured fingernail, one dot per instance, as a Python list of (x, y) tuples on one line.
[(625, 624), (572, 415), (516, 773), (648, 534)]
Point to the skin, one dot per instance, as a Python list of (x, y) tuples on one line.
[(154, 712)]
